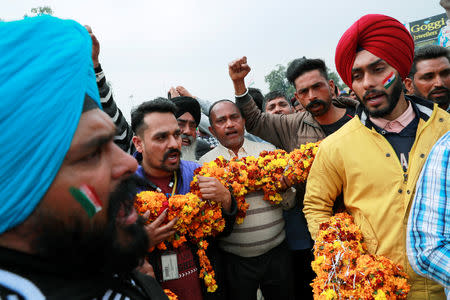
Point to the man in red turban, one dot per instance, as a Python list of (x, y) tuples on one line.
[(376, 158), (382, 36)]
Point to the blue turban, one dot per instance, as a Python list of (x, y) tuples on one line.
[(46, 71)]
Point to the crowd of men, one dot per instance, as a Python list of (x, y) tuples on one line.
[(72, 165)]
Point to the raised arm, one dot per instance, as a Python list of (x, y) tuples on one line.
[(124, 133), (276, 129)]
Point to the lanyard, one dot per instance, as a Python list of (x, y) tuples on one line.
[(175, 184)]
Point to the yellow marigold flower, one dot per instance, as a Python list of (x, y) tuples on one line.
[(212, 288), (380, 295), (306, 164), (329, 294), (171, 295)]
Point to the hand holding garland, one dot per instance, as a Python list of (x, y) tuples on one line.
[(156, 230)]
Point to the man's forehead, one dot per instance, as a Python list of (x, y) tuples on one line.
[(432, 64), (365, 58), (93, 124), (224, 108), (308, 78), (276, 100), (160, 122)]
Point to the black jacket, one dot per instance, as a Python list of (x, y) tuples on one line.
[(31, 277)]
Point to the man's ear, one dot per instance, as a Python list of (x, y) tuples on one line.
[(332, 85), (409, 85), (138, 143), (212, 131)]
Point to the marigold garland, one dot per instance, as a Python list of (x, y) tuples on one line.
[(247, 174), (346, 271), (171, 295), (199, 219)]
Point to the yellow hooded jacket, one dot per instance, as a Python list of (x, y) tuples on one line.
[(359, 162)]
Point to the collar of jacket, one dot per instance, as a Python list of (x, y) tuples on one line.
[(422, 107), (309, 119), (341, 102), (150, 185), (344, 102)]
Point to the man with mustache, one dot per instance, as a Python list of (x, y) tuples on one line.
[(255, 253), (188, 116), (158, 139), (375, 159), (68, 228), (321, 118), (429, 77)]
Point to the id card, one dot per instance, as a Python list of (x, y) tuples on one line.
[(169, 265)]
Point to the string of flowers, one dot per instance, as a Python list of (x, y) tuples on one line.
[(346, 271), (197, 220), (247, 174), (171, 295), (232, 174)]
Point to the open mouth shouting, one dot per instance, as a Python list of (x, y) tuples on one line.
[(374, 99), (172, 156), (186, 140), (232, 134)]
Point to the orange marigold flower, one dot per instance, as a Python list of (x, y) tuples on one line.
[(171, 295), (345, 270)]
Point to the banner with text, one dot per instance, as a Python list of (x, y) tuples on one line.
[(430, 31)]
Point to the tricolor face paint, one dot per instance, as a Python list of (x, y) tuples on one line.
[(87, 197), (389, 80)]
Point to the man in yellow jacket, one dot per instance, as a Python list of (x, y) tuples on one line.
[(376, 158)]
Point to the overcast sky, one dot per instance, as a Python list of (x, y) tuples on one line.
[(148, 46)]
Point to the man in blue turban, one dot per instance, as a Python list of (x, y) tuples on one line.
[(68, 228)]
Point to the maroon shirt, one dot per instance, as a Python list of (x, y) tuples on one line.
[(187, 286)]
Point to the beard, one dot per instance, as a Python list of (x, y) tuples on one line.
[(391, 98), (94, 248), (316, 113), (188, 152), (442, 101)]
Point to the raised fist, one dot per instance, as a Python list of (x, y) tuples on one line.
[(173, 93), (95, 46), (238, 69), (183, 91)]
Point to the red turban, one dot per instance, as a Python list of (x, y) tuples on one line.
[(382, 36)]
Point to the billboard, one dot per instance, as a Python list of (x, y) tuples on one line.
[(430, 31)]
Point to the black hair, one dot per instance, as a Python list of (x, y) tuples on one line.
[(160, 104), (274, 95), (220, 101), (257, 97), (302, 65), (427, 52)]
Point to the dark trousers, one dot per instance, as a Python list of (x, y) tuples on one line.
[(271, 271), (303, 273)]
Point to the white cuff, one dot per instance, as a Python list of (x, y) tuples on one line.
[(240, 96)]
